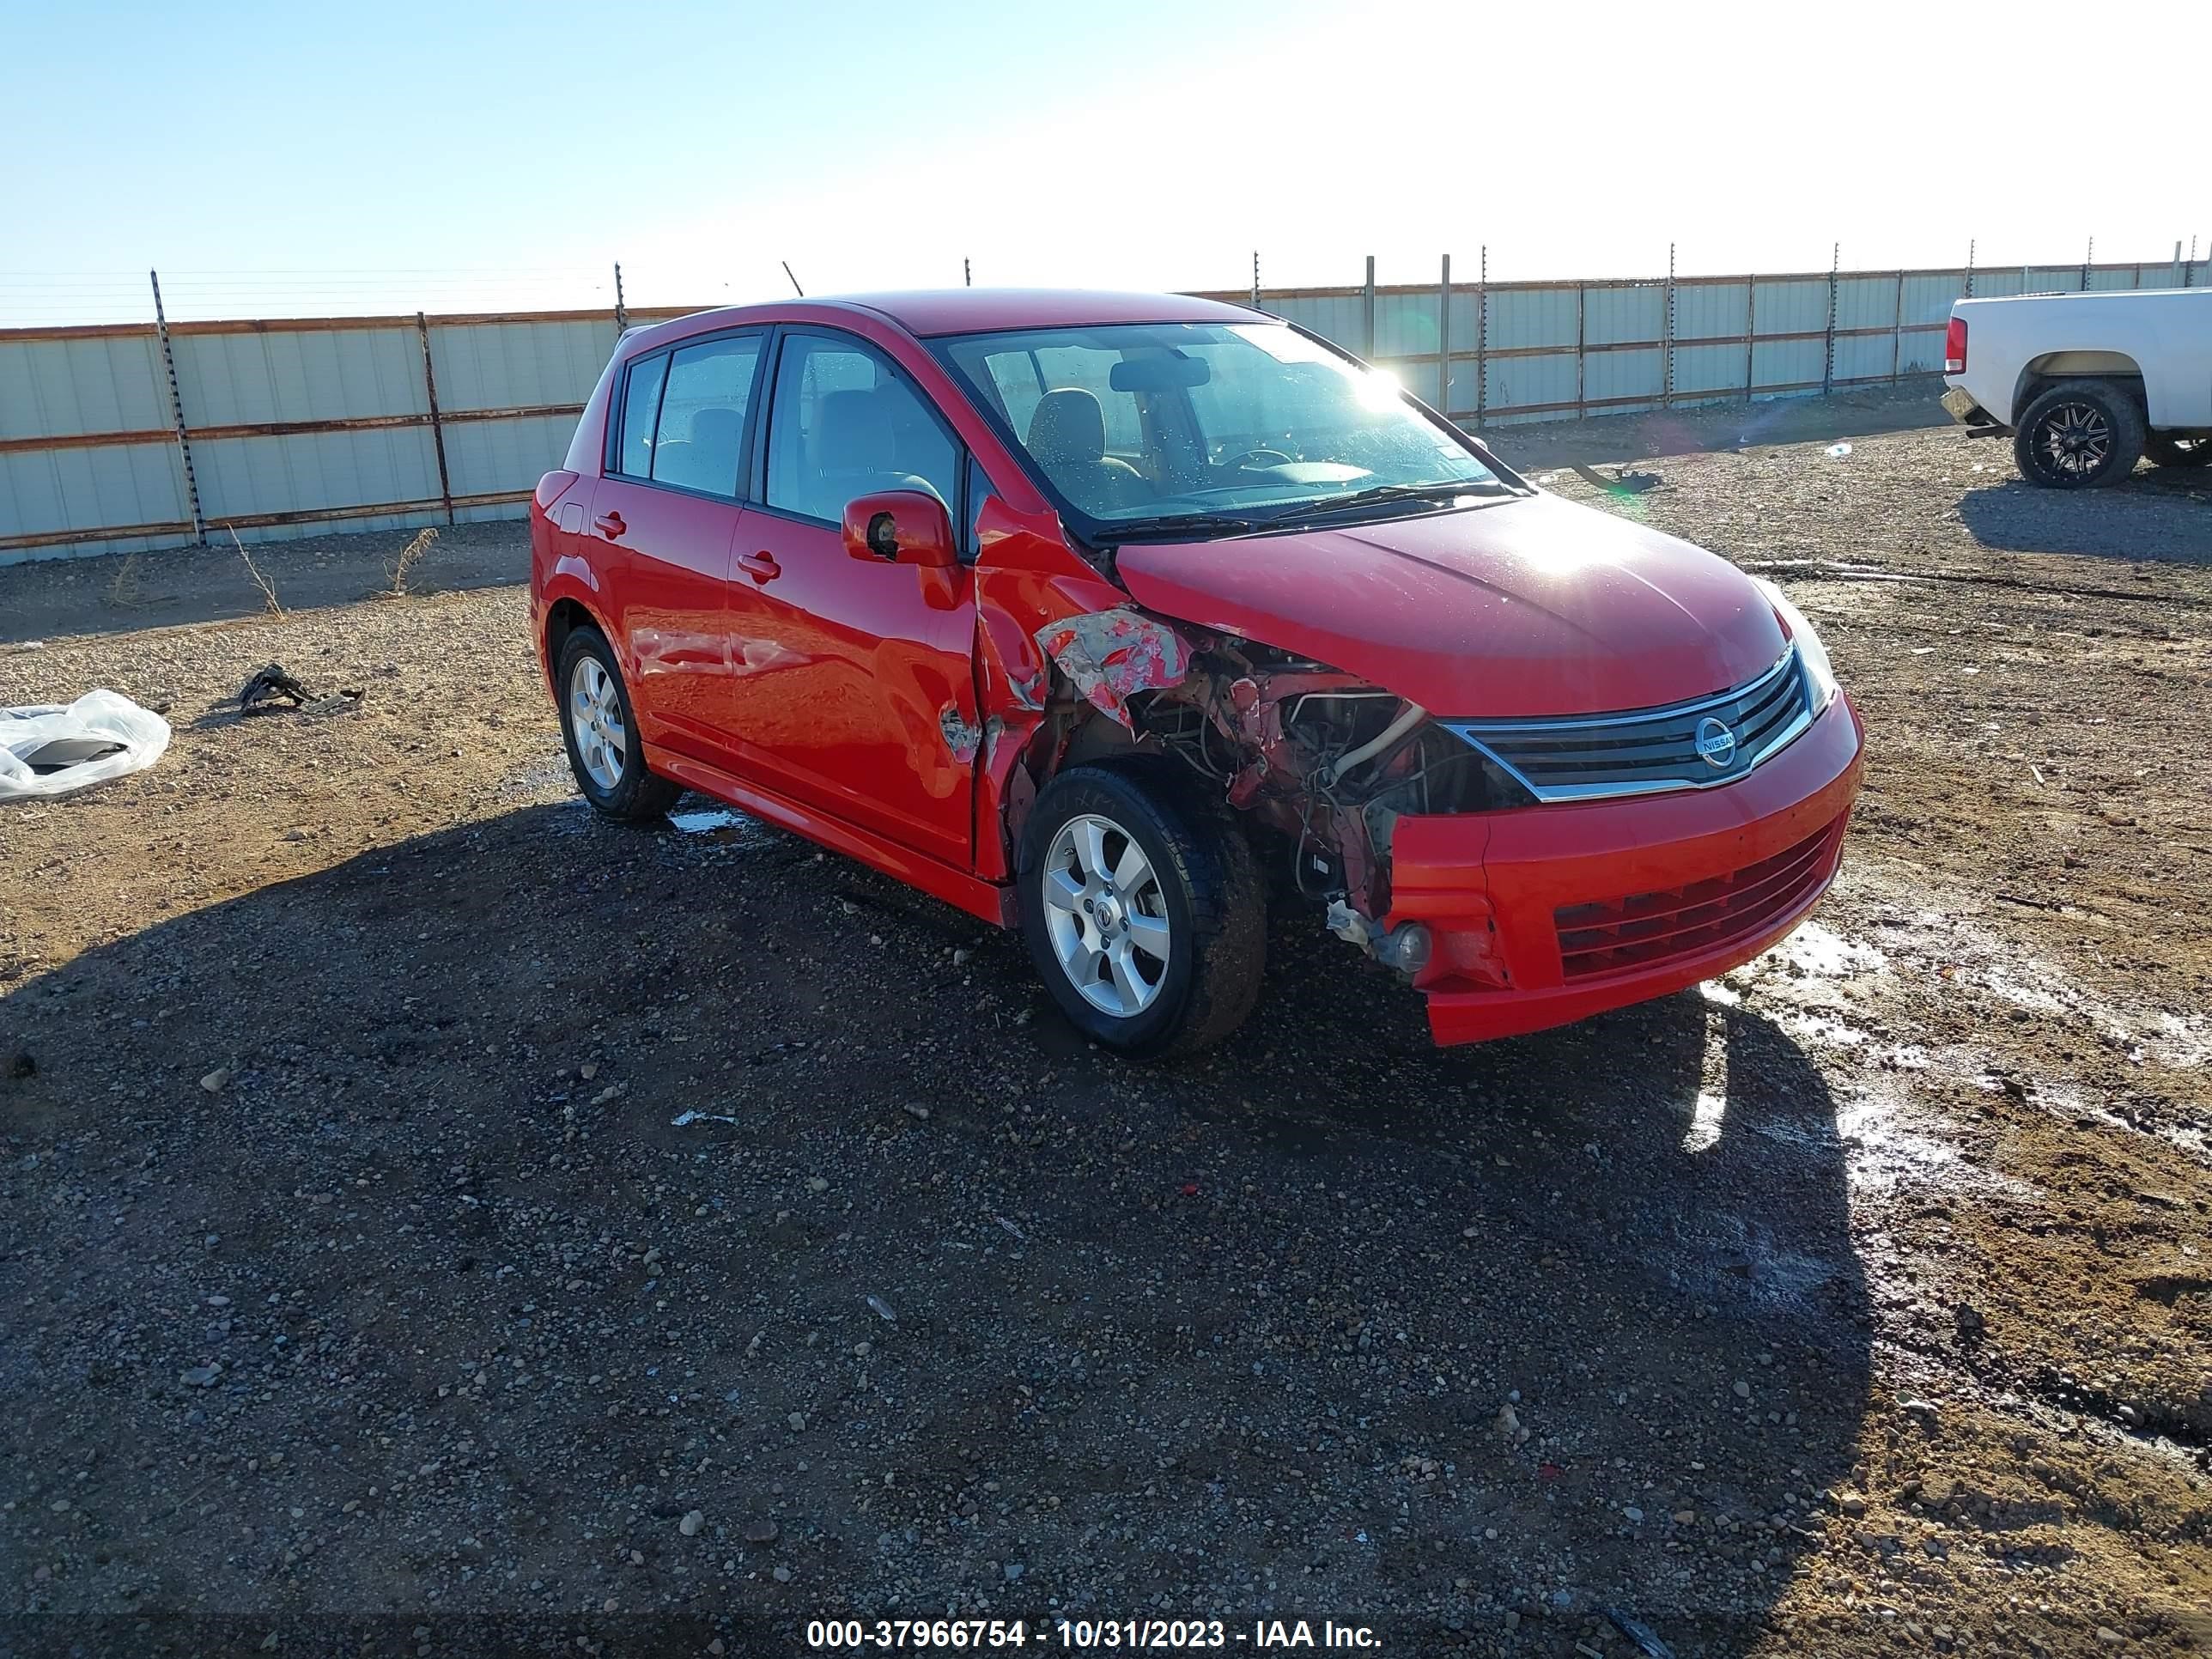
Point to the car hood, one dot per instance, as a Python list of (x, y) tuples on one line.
[(1529, 606)]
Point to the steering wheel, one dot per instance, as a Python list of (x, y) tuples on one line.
[(1275, 457)]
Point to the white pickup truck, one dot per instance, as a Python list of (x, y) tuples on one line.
[(2086, 384)]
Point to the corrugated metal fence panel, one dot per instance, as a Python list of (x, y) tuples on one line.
[(1339, 318), (1927, 297), (486, 457), (1999, 284), (1531, 387), (1708, 371), (519, 365), (115, 486), (311, 471), (100, 383), (1792, 304), (1861, 357), (1710, 311), (288, 374), (1405, 323), (1621, 382), (1532, 317), (1624, 312), (1866, 302), (1787, 365)]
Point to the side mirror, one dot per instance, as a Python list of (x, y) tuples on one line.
[(899, 527)]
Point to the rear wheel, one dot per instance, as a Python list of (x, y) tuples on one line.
[(2077, 435), (604, 751), (1143, 907), (2172, 449)]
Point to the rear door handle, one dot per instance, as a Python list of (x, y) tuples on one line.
[(761, 567), (610, 525)]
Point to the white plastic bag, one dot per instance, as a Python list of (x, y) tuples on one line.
[(101, 735)]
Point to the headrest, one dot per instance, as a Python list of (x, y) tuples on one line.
[(1068, 427), (718, 429)]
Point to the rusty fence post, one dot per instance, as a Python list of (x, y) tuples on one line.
[(1828, 356), (1750, 333), (1667, 364), (622, 313), (1443, 341), (1581, 350), (176, 409), (1482, 337), (437, 423), (1255, 279), (1897, 334), (1369, 351), (1970, 269)]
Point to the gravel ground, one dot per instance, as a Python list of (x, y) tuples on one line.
[(438, 1221)]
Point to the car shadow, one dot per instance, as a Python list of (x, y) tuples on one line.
[(537, 1186), (2161, 514)]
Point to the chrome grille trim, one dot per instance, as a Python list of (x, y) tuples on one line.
[(1647, 752)]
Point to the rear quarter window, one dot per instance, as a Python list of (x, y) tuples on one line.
[(640, 406)]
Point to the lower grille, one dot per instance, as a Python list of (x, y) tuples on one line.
[(1646, 928)]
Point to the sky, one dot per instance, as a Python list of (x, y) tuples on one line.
[(290, 159)]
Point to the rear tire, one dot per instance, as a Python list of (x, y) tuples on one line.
[(1144, 908), (2079, 435), (599, 729), (2170, 449)]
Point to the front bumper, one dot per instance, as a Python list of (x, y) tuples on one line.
[(1551, 914)]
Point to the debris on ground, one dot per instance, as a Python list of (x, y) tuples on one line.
[(272, 685), (48, 750), (1646, 1639), (1623, 483), (272, 690)]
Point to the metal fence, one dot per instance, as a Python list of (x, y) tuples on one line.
[(130, 438), (1555, 351)]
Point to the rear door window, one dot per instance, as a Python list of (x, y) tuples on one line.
[(700, 438)]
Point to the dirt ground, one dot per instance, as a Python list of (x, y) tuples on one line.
[(434, 1220)]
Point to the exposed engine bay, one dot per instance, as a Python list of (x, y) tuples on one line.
[(1325, 762)]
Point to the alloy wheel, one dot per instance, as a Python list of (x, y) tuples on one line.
[(2077, 438), (595, 719), (1107, 915)]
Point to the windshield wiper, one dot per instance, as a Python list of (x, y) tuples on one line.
[(1172, 527), (1377, 494)]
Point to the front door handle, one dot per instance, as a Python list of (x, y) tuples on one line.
[(761, 567), (610, 525)]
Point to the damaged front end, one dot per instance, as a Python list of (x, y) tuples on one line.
[(1324, 763)]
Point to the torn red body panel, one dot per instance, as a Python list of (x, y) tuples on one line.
[(1109, 656)]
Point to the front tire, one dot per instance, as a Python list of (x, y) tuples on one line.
[(1143, 907), (2078, 435), (2170, 449), (597, 724)]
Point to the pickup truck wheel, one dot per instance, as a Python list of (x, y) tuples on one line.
[(1144, 908), (2167, 449), (601, 732), (2078, 435)]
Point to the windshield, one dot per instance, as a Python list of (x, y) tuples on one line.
[(1208, 428)]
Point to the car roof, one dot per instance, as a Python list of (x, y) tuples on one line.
[(926, 311)]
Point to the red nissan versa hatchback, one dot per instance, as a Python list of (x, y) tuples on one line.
[(1090, 612)]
